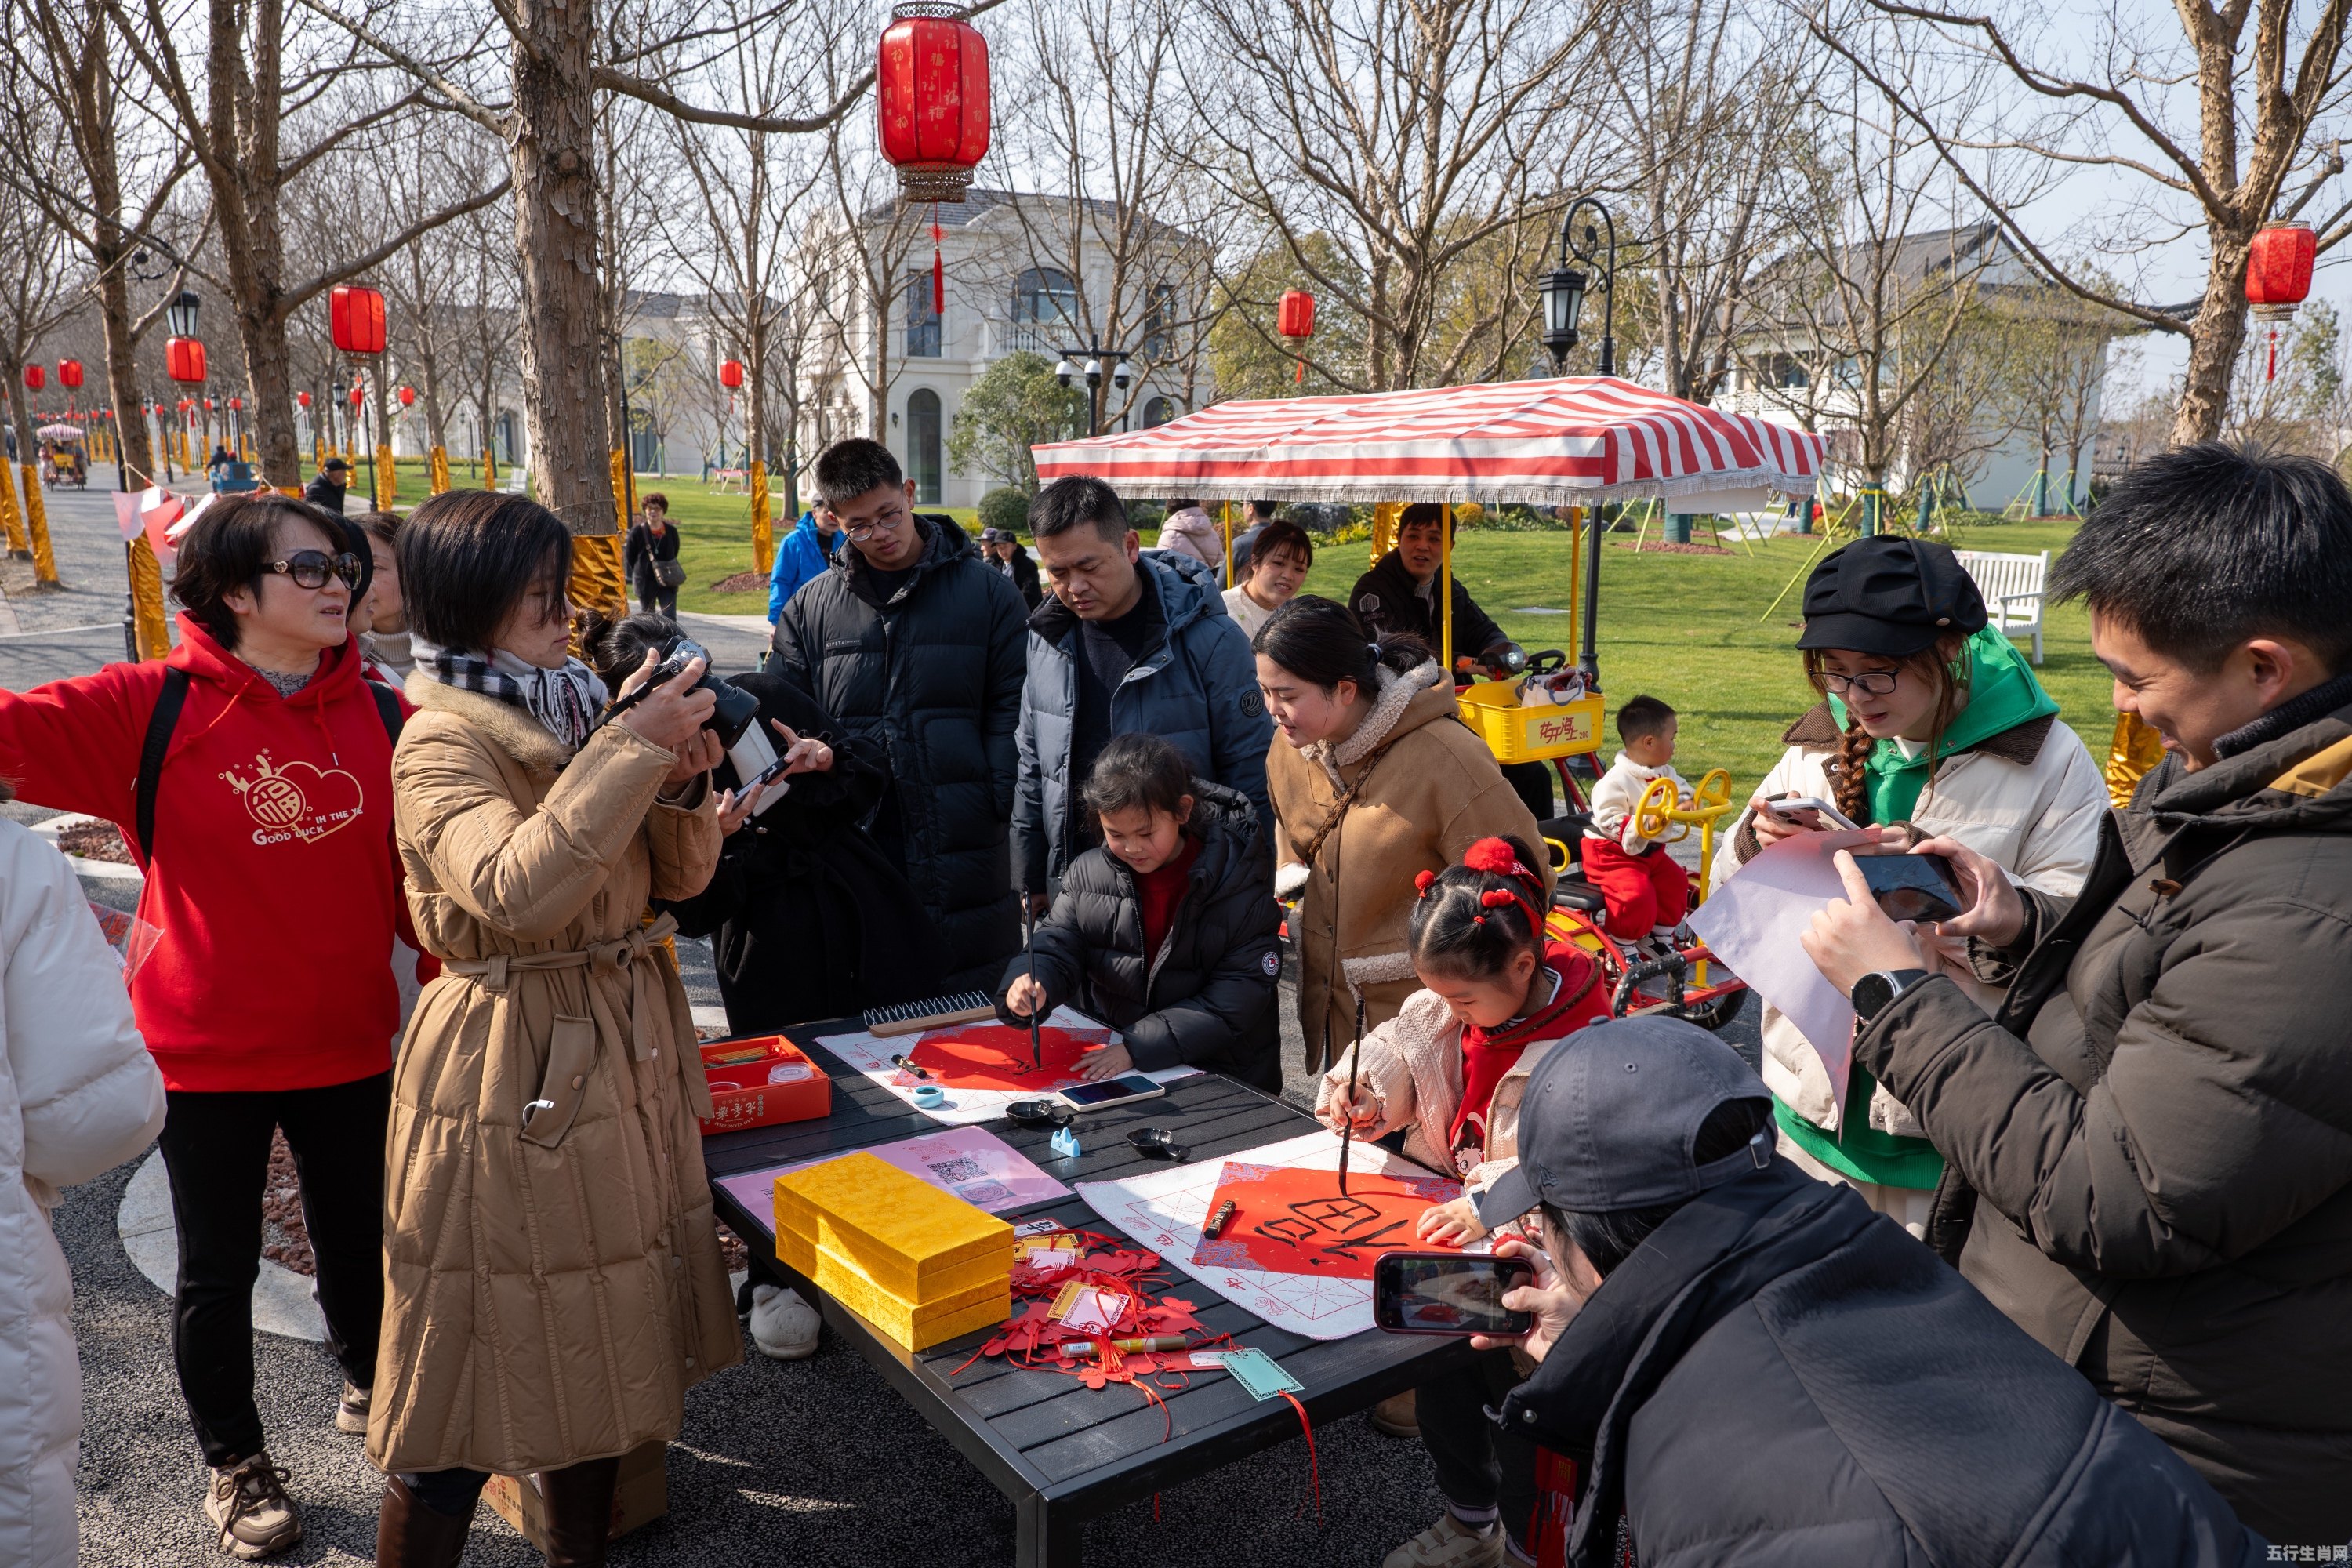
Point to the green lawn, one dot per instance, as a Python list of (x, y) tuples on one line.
[(1688, 629)]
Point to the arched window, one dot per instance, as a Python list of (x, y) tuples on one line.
[(923, 444), (1158, 411), (1045, 295)]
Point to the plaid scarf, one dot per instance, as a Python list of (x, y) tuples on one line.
[(565, 701)]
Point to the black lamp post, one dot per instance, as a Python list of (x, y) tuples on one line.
[(1562, 292), (1094, 355)]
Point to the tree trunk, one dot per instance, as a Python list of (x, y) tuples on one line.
[(566, 393), (242, 106), (2213, 345), (122, 376)]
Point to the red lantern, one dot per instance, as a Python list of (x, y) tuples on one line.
[(1294, 316), (209, 405), (408, 397), (355, 315), (184, 360), (731, 374), (69, 373), (359, 396), (303, 398), (931, 91), (237, 404), (2278, 277), (35, 377), (186, 403)]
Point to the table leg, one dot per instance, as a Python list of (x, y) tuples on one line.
[(1046, 1539)]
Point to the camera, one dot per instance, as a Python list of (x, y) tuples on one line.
[(736, 707)]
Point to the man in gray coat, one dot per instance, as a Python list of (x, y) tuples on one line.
[(2149, 1144), (1123, 644)]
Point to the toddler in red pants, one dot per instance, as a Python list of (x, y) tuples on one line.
[(1647, 892)]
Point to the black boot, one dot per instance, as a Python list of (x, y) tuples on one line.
[(410, 1535), (580, 1512)]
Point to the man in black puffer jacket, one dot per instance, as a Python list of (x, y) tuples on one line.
[(1180, 957), (1750, 1368), (910, 640)]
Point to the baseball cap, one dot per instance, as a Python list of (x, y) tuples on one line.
[(336, 466), (1610, 1116), (1889, 597), (994, 536)]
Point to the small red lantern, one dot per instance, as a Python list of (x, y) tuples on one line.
[(185, 404), (731, 374), (35, 377), (237, 404), (2278, 277), (359, 396), (184, 360), (69, 373), (1294, 318), (931, 91), (302, 398), (209, 405), (408, 397), (355, 315)]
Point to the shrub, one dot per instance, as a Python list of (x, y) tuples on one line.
[(1005, 507)]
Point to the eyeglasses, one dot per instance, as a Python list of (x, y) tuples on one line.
[(1874, 682), (311, 568), (883, 525)]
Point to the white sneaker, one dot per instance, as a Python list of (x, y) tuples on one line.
[(1449, 1543), (782, 1325), (250, 1507)]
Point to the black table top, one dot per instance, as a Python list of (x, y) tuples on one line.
[(1045, 1438)]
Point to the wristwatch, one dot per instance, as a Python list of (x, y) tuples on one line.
[(1874, 991)]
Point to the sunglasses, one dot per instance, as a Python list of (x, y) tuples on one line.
[(311, 568)]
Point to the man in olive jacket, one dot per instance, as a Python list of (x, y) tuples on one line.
[(2149, 1145)]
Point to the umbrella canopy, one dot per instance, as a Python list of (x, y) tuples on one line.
[(59, 433), (1571, 441)]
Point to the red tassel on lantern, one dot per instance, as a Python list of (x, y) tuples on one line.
[(938, 271)]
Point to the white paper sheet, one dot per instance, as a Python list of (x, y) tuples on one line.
[(1753, 920)]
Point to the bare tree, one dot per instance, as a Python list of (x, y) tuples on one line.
[(2219, 131), (37, 294), (2054, 360)]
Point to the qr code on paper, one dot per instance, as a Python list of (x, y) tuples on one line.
[(958, 1169)]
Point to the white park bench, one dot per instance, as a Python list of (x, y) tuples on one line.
[(2011, 586)]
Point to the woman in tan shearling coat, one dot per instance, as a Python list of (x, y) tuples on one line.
[(1375, 779), (553, 1283)]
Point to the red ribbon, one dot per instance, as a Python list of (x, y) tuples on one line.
[(1314, 1469)]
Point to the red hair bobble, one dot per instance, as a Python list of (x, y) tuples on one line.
[(1494, 855), (1423, 883), (1495, 898)]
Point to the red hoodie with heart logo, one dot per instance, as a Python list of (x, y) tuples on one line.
[(261, 958)]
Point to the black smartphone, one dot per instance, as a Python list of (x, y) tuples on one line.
[(1449, 1293), (1913, 886)]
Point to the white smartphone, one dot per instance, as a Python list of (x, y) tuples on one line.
[(1126, 1088), (755, 761), (1786, 807)]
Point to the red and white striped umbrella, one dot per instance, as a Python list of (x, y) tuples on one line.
[(1566, 442)]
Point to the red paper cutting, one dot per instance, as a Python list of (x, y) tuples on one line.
[(1292, 1221), (989, 1056)]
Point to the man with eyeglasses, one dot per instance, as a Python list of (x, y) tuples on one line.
[(914, 643)]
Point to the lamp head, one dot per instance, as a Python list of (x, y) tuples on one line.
[(180, 315), (1562, 292)]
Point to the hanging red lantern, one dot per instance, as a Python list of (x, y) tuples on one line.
[(210, 406), (237, 404), (731, 374), (408, 397), (931, 91), (184, 360), (185, 404), (355, 316), (1294, 318), (302, 398), (69, 373), (35, 377), (359, 396), (2278, 278)]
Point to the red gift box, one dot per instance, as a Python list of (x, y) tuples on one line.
[(758, 1080)]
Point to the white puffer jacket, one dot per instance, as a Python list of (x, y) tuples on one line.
[(79, 1093), (2029, 799)]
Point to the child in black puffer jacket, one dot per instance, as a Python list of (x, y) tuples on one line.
[(1167, 932)]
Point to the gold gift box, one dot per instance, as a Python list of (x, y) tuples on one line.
[(921, 1265)]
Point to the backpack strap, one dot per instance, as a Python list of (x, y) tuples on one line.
[(160, 725), (387, 708)]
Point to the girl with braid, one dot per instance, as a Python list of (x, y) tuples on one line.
[(1930, 725)]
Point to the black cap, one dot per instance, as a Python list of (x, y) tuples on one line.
[(335, 465), (1610, 1116), (995, 536), (1890, 596)]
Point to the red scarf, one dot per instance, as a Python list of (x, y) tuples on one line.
[(1577, 1000)]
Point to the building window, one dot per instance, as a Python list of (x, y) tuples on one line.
[(1159, 323), (1158, 411), (1045, 295), (923, 444), (922, 321)]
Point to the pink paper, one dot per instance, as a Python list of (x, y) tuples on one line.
[(970, 1163)]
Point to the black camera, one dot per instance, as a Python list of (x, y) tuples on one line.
[(735, 708)]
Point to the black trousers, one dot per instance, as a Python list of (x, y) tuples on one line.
[(1532, 782), (655, 599), (1479, 1464), (217, 1151)]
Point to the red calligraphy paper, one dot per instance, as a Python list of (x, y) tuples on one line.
[(989, 1056), (1292, 1221)]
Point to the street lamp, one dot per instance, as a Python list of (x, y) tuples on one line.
[(1563, 289), (1094, 355), (1564, 303), (180, 315)]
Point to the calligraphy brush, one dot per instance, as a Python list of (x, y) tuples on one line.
[(1029, 954), (1355, 1061)]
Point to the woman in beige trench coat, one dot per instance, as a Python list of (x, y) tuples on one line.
[(552, 1278)]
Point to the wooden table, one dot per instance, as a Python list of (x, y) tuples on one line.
[(1061, 1452)]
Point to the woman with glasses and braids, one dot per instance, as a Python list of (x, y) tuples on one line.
[(252, 772), (1930, 725)]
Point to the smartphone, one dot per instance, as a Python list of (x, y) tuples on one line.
[(1449, 1293), (754, 760), (1124, 1089), (1913, 886), (1787, 808)]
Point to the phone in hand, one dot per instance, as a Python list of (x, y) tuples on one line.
[(1788, 807), (1913, 886), (1449, 1293)]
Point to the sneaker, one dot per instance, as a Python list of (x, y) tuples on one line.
[(351, 1415), (1398, 1416), (782, 1325), (1449, 1543), (248, 1505)]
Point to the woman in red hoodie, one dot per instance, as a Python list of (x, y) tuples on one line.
[(260, 960)]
